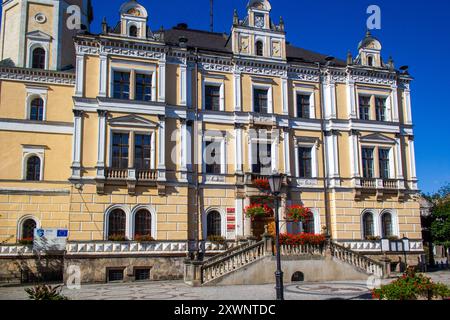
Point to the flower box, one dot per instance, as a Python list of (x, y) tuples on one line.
[(298, 213)]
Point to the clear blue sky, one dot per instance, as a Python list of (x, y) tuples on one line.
[(416, 33)]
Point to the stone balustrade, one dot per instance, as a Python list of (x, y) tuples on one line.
[(119, 248)]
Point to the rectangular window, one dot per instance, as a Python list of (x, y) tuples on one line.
[(212, 98), (260, 100), (305, 165), (213, 157), (115, 275), (141, 274), (380, 105), (383, 156), (264, 159), (364, 107), (367, 159), (303, 106), (142, 152), (121, 88), (143, 87), (120, 149)]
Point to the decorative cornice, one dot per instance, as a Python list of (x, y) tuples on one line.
[(37, 76)]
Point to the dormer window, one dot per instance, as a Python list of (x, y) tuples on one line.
[(259, 48), (133, 32)]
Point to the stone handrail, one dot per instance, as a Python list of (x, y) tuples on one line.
[(147, 175), (301, 250), (357, 260), (116, 174), (228, 252), (217, 268)]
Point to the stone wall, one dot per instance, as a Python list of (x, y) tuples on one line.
[(25, 269)]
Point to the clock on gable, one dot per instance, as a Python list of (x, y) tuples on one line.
[(259, 20)]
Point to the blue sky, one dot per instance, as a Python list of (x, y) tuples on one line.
[(415, 33)]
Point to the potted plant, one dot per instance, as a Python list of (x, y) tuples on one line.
[(117, 238), (298, 213), (143, 238)]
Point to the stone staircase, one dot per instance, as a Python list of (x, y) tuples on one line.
[(254, 255)]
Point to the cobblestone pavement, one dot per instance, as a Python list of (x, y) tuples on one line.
[(350, 290)]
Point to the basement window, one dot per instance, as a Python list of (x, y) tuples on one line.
[(115, 275), (142, 274)]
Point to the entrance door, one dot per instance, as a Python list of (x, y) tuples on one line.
[(259, 226)]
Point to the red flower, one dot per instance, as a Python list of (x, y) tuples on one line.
[(298, 213), (262, 184)]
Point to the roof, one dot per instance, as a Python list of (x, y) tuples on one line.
[(220, 42)]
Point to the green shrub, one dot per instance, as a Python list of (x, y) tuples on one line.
[(45, 292), (412, 286)]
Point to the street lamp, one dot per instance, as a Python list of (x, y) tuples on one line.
[(276, 181)]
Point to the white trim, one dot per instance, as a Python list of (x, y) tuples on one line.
[(239, 207), (395, 221), (33, 44), (223, 142), (183, 85), (287, 153), (29, 152), (314, 158), (103, 75), (101, 142), (237, 91), (161, 81), (223, 221), (219, 84), (239, 153), (18, 126), (153, 214), (35, 93), (269, 88), (21, 221), (284, 95), (126, 210), (79, 82), (412, 160), (312, 101), (376, 222)]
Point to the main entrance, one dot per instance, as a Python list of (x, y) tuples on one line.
[(259, 223)]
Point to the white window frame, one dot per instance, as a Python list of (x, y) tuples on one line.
[(314, 159), (132, 70), (33, 44), (312, 101), (221, 85), (395, 221), (21, 221), (376, 222), (152, 212), (34, 93), (269, 89), (273, 141), (223, 221), (128, 221), (151, 133), (30, 151), (388, 106), (223, 156), (264, 42), (358, 111)]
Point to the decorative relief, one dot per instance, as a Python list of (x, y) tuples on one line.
[(276, 49), (39, 76), (244, 45)]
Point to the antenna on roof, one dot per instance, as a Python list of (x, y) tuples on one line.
[(211, 15)]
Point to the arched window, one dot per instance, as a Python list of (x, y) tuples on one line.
[(28, 227), (370, 61), (386, 222), (37, 109), (143, 223), (368, 225), (116, 224), (38, 61), (259, 48), (33, 169), (214, 224), (133, 31)]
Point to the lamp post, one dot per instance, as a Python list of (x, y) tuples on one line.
[(276, 181), (406, 248)]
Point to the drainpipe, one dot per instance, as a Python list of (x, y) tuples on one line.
[(324, 159)]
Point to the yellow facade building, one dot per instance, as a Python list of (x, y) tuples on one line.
[(106, 134)]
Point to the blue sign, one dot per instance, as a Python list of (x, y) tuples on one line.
[(40, 233), (63, 233)]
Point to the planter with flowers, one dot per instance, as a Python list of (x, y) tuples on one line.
[(302, 239), (257, 210), (117, 238), (262, 184), (143, 238), (298, 213)]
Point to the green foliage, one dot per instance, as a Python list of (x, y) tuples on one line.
[(440, 227), (412, 286), (45, 292)]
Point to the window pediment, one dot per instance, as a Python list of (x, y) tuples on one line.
[(39, 36), (132, 121), (377, 138)]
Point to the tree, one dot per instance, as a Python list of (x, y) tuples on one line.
[(440, 226)]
